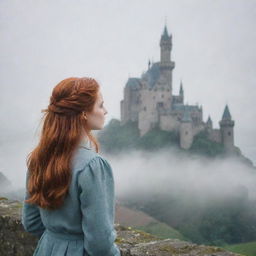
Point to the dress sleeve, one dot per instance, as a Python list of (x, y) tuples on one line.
[(97, 198), (31, 219)]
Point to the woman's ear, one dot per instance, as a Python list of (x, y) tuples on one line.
[(84, 115)]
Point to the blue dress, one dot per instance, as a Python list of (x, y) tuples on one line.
[(84, 225)]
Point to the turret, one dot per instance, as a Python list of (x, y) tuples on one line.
[(181, 92), (227, 129), (166, 65), (166, 46), (209, 123)]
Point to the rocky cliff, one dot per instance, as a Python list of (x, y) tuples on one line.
[(14, 241)]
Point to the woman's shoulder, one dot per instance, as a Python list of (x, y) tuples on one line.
[(94, 170), (85, 156)]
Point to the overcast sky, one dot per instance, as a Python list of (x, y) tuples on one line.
[(43, 42)]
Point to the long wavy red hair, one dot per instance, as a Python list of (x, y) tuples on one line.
[(49, 164)]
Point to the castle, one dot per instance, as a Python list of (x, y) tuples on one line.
[(149, 101)]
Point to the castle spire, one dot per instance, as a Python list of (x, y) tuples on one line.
[(226, 114), (149, 64), (209, 121), (165, 36), (181, 88)]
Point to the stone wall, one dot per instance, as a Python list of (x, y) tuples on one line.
[(14, 241)]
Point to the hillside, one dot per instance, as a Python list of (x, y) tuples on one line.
[(248, 249), (139, 220), (116, 138)]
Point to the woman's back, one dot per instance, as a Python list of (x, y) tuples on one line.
[(84, 224)]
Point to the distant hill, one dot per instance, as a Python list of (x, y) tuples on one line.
[(131, 217), (139, 220), (8, 191), (5, 184), (248, 249), (116, 138)]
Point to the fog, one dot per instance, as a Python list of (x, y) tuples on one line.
[(141, 174), (43, 42)]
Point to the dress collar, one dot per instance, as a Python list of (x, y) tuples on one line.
[(85, 144)]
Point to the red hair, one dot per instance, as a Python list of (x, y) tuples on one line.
[(48, 164)]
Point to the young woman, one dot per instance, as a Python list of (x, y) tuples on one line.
[(70, 197)]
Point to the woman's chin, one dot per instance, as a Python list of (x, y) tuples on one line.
[(98, 128)]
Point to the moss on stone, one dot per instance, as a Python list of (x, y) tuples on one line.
[(209, 249)]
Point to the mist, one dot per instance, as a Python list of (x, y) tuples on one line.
[(167, 172)]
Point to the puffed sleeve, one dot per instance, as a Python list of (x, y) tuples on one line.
[(97, 198), (31, 219)]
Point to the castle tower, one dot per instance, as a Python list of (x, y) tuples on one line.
[(227, 129), (166, 65), (186, 131)]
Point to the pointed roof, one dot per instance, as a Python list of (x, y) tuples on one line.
[(149, 63), (152, 75), (226, 114), (186, 116), (181, 87), (165, 35), (209, 120), (165, 31)]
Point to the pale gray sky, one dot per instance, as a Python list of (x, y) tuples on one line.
[(43, 42)]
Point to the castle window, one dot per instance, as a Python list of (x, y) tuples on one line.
[(186, 132), (160, 104), (145, 108), (162, 95), (229, 133)]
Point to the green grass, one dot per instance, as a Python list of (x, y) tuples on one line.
[(248, 249), (161, 230)]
